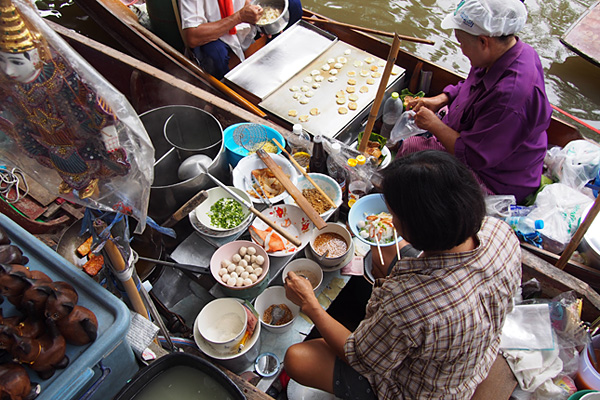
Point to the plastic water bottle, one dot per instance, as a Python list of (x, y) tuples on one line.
[(335, 167), (392, 109), (318, 160), (527, 228)]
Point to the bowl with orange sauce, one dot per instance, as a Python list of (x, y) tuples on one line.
[(330, 245)]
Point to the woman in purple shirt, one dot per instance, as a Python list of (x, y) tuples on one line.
[(497, 118)]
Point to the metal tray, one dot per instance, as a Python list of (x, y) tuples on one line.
[(280, 59), (349, 62)]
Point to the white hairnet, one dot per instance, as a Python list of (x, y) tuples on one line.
[(487, 17)]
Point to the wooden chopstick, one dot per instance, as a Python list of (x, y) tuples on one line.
[(379, 250), (303, 171), (396, 242)]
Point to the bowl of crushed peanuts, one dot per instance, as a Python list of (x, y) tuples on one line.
[(235, 152), (316, 199), (220, 215)]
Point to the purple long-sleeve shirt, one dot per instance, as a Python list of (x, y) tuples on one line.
[(502, 117)]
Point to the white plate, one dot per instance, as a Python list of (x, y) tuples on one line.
[(293, 220), (249, 163), (385, 151), (215, 234), (296, 391)]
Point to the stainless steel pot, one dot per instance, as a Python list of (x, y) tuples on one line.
[(281, 22), (168, 193)]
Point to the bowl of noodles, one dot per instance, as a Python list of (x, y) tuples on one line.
[(235, 152), (370, 221), (275, 16), (328, 185)]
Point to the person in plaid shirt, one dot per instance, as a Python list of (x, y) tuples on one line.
[(433, 322)]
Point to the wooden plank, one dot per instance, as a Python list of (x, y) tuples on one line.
[(292, 189), (37, 191), (555, 281), (583, 37)]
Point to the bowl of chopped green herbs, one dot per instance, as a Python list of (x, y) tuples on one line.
[(220, 215)]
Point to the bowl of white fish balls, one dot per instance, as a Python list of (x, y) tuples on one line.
[(241, 268), (222, 324)]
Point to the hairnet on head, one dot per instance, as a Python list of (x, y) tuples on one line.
[(487, 17)]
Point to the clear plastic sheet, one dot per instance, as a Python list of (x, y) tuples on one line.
[(69, 129)]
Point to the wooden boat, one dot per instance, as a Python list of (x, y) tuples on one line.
[(141, 83), (583, 38), (122, 25)]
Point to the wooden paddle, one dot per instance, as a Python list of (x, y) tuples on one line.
[(368, 30), (391, 60), (131, 19), (292, 189), (307, 176)]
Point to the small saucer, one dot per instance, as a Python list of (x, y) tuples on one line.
[(342, 263)]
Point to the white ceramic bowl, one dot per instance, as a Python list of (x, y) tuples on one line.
[(326, 183), (330, 228), (236, 362), (307, 268), (275, 295), (201, 217), (226, 252), (293, 220), (222, 324), (249, 163), (367, 205), (385, 152)]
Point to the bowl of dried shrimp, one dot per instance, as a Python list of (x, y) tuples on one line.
[(328, 185), (264, 183), (370, 221), (235, 152)]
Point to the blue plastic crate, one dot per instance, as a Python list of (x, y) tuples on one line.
[(101, 368)]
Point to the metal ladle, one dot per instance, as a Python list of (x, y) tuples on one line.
[(193, 166)]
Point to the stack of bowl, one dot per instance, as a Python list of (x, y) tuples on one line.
[(220, 328), (200, 217)]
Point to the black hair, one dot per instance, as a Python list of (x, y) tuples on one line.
[(436, 199)]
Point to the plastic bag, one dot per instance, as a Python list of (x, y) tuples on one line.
[(575, 164), (68, 128), (561, 208), (405, 127), (499, 205)]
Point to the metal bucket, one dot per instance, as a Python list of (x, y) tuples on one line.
[(193, 131)]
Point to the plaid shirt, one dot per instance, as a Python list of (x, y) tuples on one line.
[(432, 326)]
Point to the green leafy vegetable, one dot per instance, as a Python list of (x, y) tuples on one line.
[(226, 213), (375, 137)]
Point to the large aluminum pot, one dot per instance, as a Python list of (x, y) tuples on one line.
[(197, 132), (278, 24)]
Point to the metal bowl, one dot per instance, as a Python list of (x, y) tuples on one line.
[(278, 24)]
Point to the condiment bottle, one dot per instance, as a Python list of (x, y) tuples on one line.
[(300, 145), (357, 186), (318, 160)]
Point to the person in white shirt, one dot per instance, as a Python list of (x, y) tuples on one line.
[(212, 28)]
